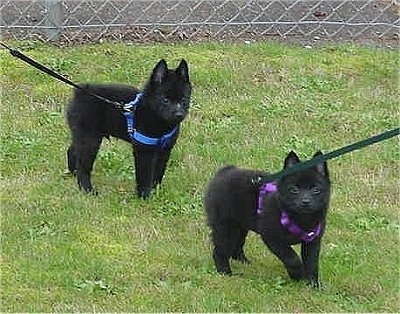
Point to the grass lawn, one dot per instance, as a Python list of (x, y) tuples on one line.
[(63, 251)]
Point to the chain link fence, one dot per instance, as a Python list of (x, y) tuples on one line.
[(71, 21)]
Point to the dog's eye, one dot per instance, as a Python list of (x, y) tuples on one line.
[(315, 190), (294, 190), (164, 100)]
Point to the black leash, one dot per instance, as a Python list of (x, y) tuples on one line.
[(20, 55), (322, 158)]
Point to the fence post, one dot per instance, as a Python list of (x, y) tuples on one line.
[(53, 19)]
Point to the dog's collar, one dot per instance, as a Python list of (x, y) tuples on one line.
[(135, 135), (293, 228)]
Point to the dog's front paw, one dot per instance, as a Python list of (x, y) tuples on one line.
[(314, 283), (297, 273), (222, 263), (144, 193), (91, 192), (88, 189), (225, 272)]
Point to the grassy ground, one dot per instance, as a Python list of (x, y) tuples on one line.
[(63, 251)]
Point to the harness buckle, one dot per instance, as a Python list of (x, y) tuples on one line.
[(127, 107)]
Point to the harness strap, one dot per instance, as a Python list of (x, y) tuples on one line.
[(264, 190), (131, 106), (162, 141), (297, 231)]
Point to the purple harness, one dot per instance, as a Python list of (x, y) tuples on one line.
[(293, 228)]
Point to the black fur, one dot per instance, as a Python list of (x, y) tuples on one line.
[(165, 103), (231, 201)]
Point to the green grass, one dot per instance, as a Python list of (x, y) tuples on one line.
[(63, 251)]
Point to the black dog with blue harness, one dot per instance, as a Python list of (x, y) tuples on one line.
[(150, 122)]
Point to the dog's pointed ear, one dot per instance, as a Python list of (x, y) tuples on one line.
[(322, 167), (183, 70), (291, 159), (160, 71)]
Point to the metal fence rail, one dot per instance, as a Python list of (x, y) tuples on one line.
[(84, 20)]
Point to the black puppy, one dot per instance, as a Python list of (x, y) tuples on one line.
[(290, 211), (153, 123)]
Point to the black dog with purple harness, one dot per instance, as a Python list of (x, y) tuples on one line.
[(290, 211)]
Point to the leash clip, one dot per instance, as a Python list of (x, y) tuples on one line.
[(127, 107), (256, 181), (131, 106)]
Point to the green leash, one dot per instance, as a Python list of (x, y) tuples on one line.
[(260, 180)]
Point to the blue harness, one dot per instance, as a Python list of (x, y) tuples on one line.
[(135, 135)]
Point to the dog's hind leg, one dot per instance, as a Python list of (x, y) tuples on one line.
[(71, 159), (85, 151), (222, 247), (238, 243)]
